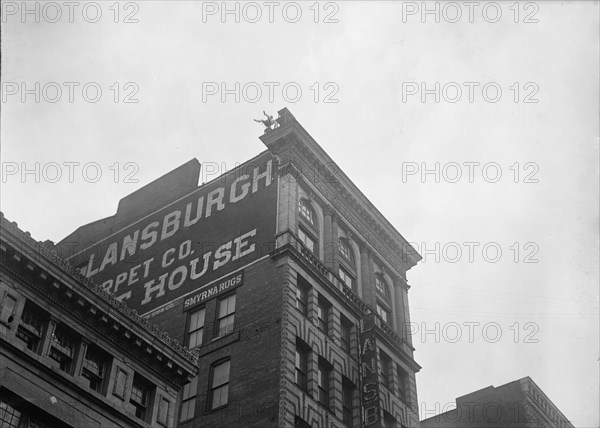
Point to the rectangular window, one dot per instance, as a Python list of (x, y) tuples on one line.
[(301, 364), (94, 367), (140, 394), (225, 315), (196, 328), (219, 385), (323, 374), (302, 289), (188, 400), (386, 363), (389, 421), (346, 333), (403, 380), (62, 347), (307, 240), (383, 313), (347, 398), (31, 327), (9, 416), (323, 311), (301, 423), (346, 278)]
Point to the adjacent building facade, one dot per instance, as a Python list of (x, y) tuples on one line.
[(518, 404), (280, 275), (73, 356)]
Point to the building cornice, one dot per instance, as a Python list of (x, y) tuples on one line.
[(339, 191), (58, 275)]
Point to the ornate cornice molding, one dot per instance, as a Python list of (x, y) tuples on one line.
[(338, 190), (42, 254)]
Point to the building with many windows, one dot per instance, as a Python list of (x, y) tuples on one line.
[(283, 278), (517, 404), (73, 356)]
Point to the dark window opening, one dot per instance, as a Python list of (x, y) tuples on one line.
[(62, 347), (301, 364), (140, 396), (219, 385)]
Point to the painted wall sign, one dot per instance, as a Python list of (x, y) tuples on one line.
[(219, 228), (213, 290), (369, 374)]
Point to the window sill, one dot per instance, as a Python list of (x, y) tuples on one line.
[(301, 313), (214, 339), (216, 409)]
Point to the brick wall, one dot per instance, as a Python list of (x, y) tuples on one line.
[(253, 349)]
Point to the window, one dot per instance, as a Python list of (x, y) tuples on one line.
[(403, 380), (347, 397), (346, 333), (302, 288), (307, 212), (94, 368), (31, 327), (301, 423), (346, 278), (301, 364), (388, 420), (307, 240), (196, 328), (225, 315), (323, 311), (219, 385), (15, 412), (346, 251), (386, 364), (62, 347), (323, 374), (383, 313), (188, 400), (9, 416), (382, 286), (140, 394)]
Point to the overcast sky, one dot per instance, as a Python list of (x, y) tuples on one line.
[(536, 302)]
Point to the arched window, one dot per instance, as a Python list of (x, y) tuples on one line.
[(382, 287), (307, 226), (307, 212), (346, 251)]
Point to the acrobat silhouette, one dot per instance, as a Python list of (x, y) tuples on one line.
[(269, 122)]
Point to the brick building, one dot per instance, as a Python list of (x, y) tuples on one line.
[(280, 275), (73, 356), (517, 404)]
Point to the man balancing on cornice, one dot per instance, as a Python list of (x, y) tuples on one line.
[(269, 122)]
